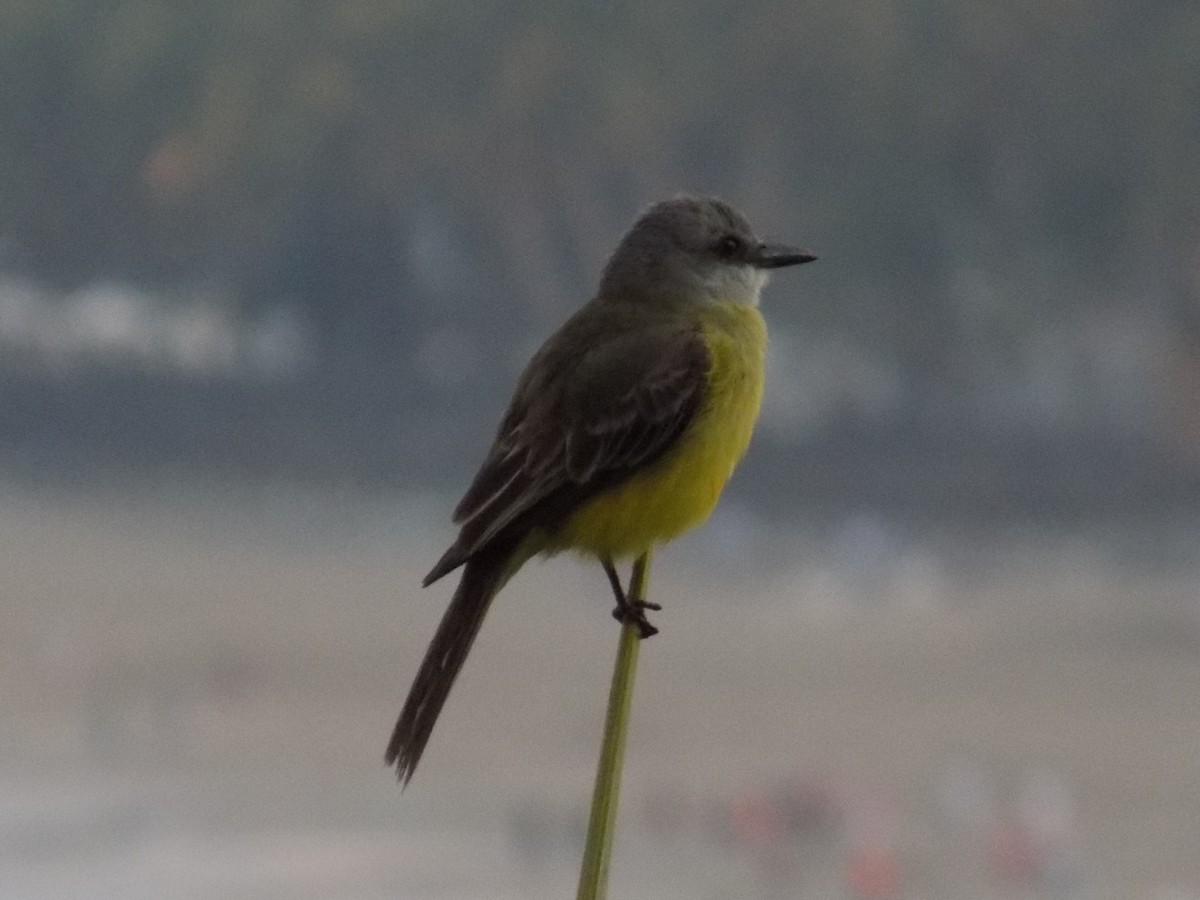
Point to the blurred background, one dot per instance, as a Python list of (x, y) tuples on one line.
[(268, 272)]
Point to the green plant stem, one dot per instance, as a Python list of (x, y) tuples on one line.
[(597, 852)]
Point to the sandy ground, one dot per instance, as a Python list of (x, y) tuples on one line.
[(197, 702)]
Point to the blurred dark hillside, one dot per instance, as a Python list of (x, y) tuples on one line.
[(316, 240)]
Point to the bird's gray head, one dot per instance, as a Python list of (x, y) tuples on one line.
[(695, 249)]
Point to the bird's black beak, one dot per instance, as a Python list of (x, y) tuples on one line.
[(776, 256)]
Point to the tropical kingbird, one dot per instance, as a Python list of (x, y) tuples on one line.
[(623, 430)]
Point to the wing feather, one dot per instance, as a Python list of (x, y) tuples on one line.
[(578, 425)]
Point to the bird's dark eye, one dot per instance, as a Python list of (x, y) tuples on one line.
[(729, 246)]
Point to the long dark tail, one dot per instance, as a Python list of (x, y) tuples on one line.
[(483, 575)]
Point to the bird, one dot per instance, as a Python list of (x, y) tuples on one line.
[(622, 431)]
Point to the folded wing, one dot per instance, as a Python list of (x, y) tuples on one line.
[(579, 424)]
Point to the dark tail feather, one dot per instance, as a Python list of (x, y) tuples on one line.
[(482, 577)]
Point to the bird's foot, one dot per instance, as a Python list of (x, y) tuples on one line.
[(634, 612), (631, 611)]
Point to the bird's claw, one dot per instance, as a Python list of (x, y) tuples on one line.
[(634, 613), (631, 611)]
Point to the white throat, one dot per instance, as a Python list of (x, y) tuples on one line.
[(733, 284)]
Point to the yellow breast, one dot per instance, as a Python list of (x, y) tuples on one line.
[(679, 491)]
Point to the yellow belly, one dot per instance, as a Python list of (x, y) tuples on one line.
[(680, 490)]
